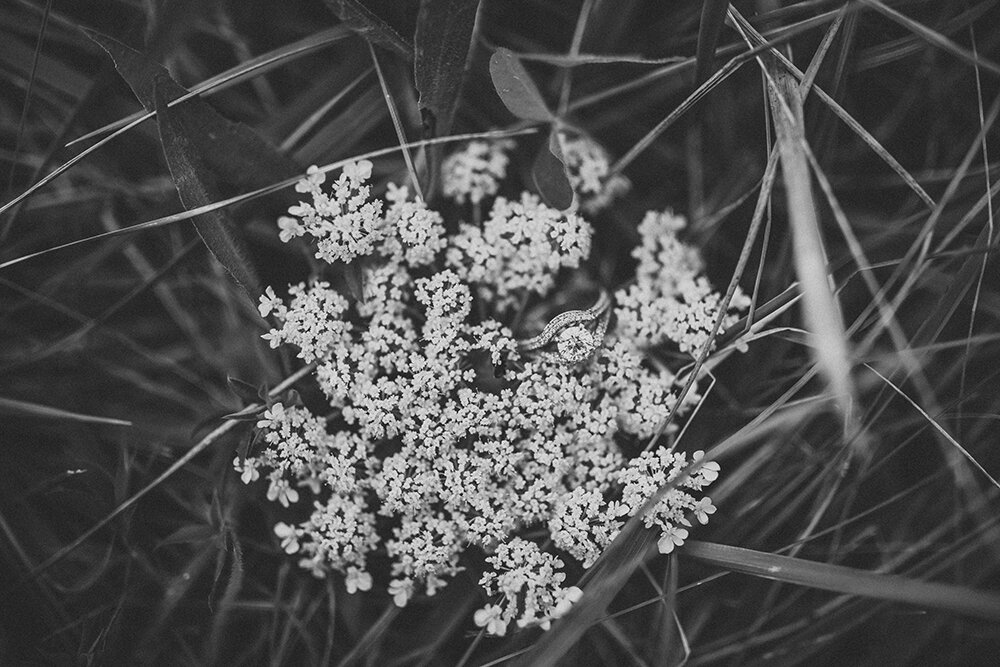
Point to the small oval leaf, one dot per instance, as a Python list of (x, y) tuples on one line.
[(516, 88), (549, 174)]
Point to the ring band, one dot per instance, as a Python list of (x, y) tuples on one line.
[(574, 342)]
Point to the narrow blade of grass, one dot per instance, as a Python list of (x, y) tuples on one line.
[(850, 581), (371, 26), (937, 427), (260, 192), (713, 15), (236, 75), (12, 406), (933, 37), (821, 310), (202, 444), (756, 38)]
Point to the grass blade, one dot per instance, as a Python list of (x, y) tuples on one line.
[(713, 15), (755, 37), (235, 75), (260, 192), (821, 310), (933, 37), (362, 20), (13, 406), (851, 581), (218, 432), (937, 427)]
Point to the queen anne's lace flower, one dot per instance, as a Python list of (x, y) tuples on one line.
[(346, 222), (528, 586), (670, 301), (440, 434), (474, 172), (588, 166), (519, 250)]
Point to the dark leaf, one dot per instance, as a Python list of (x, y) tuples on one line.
[(441, 55), (549, 174), (516, 88), (355, 278), (196, 186), (202, 149), (292, 398), (191, 534), (245, 391), (362, 20), (713, 14), (238, 155)]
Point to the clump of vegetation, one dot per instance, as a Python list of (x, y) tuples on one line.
[(456, 393)]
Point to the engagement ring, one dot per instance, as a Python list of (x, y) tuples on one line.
[(577, 333)]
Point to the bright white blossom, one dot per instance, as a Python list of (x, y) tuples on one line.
[(439, 433), (526, 583), (588, 166), (670, 301), (346, 222), (475, 171), (519, 250)]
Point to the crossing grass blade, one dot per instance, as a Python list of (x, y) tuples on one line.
[(360, 18), (851, 581), (13, 406)]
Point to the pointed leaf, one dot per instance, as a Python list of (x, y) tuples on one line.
[(195, 185), (245, 391), (516, 88), (238, 155), (549, 174), (820, 306), (370, 25), (441, 55)]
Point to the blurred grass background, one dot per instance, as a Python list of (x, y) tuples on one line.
[(147, 328)]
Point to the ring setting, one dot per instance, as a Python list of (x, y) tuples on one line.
[(572, 334)]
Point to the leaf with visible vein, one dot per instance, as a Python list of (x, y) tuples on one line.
[(370, 25), (236, 153), (516, 88), (196, 187), (441, 53)]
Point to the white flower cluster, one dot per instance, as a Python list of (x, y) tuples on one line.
[(475, 171), (518, 250), (345, 225), (439, 435), (588, 166), (670, 301), (528, 582)]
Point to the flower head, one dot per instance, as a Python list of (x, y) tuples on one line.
[(439, 431), (474, 172)]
